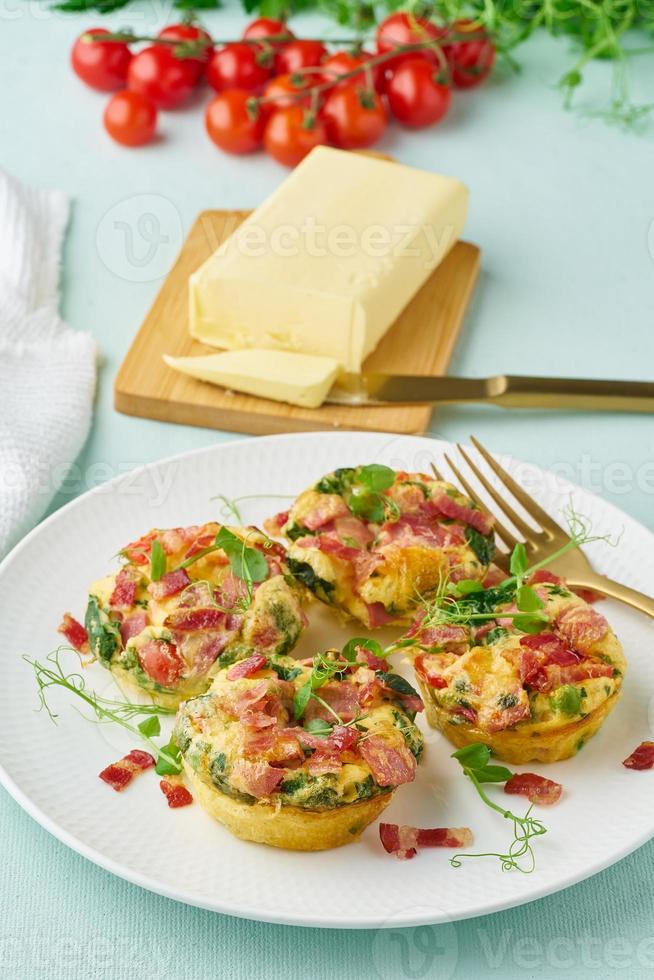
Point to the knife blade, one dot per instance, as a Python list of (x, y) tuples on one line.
[(509, 391)]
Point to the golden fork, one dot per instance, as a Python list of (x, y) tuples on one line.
[(573, 566)]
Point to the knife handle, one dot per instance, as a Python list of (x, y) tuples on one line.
[(512, 391)]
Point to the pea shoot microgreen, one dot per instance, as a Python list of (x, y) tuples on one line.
[(474, 760), (157, 561), (53, 674), (246, 563)]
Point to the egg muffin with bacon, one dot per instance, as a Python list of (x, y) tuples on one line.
[(529, 696), (188, 601), (301, 755), (372, 541)]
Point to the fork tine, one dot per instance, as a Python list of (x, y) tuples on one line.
[(533, 509), (437, 473), (516, 520), (502, 532)]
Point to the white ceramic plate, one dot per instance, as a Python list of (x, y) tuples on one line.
[(607, 811)]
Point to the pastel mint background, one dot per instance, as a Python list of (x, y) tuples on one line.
[(563, 208)]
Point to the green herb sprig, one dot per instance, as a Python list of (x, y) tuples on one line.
[(474, 760), (53, 674)]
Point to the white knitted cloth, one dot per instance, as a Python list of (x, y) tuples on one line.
[(47, 370)]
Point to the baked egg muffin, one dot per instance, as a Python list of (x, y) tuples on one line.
[(536, 696), (372, 541), (301, 772), (181, 607)]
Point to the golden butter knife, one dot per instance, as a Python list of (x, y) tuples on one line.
[(509, 391)]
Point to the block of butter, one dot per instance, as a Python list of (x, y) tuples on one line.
[(325, 265), (299, 379)]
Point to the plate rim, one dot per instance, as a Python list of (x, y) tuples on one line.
[(262, 914)]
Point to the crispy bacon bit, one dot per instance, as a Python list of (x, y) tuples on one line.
[(170, 584), (124, 593), (449, 507), (341, 698), (119, 774), (161, 661), (404, 841), (368, 658), (378, 615), (176, 794), (256, 778), (132, 626), (536, 788), (542, 575), (350, 528), (247, 668), (582, 627), (195, 619), (74, 633), (138, 552), (330, 545), (200, 543), (427, 668), (330, 507), (390, 765), (642, 757), (343, 738)]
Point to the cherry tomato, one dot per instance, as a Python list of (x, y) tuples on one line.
[(130, 118), (242, 66), (231, 124), (165, 79), (416, 95), (355, 117), (400, 29), (343, 62), (284, 89), (470, 61), (298, 55), (101, 64), (264, 27), (291, 133), (188, 32)]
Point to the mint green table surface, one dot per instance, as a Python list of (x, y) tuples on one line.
[(563, 209)]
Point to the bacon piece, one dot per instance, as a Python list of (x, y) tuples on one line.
[(542, 575), (369, 659), (74, 633), (330, 507), (329, 544), (161, 661), (170, 584), (138, 552), (390, 765), (232, 589), (119, 774), (428, 670), (468, 713), (176, 794), (343, 738), (556, 676), (641, 758), (536, 788), (494, 719), (351, 527), (195, 619), (414, 530), (257, 778), (132, 626), (453, 639), (404, 841), (247, 668), (201, 542), (582, 627), (377, 614), (258, 707), (446, 505), (124, 593), (341, 698)]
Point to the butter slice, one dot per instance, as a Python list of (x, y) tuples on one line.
[(299, 379), (326, 264)]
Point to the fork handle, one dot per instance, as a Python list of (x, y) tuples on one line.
[(616, 590)]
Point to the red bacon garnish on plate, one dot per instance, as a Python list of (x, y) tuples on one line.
[(120, 774), (390, 765), (124, 593), (74, 633), (536, 788), (404, 841), (172, 583), (175, 792), (641, 758), (247, 668)]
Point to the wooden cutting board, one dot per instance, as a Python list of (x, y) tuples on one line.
[(420, 342)]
